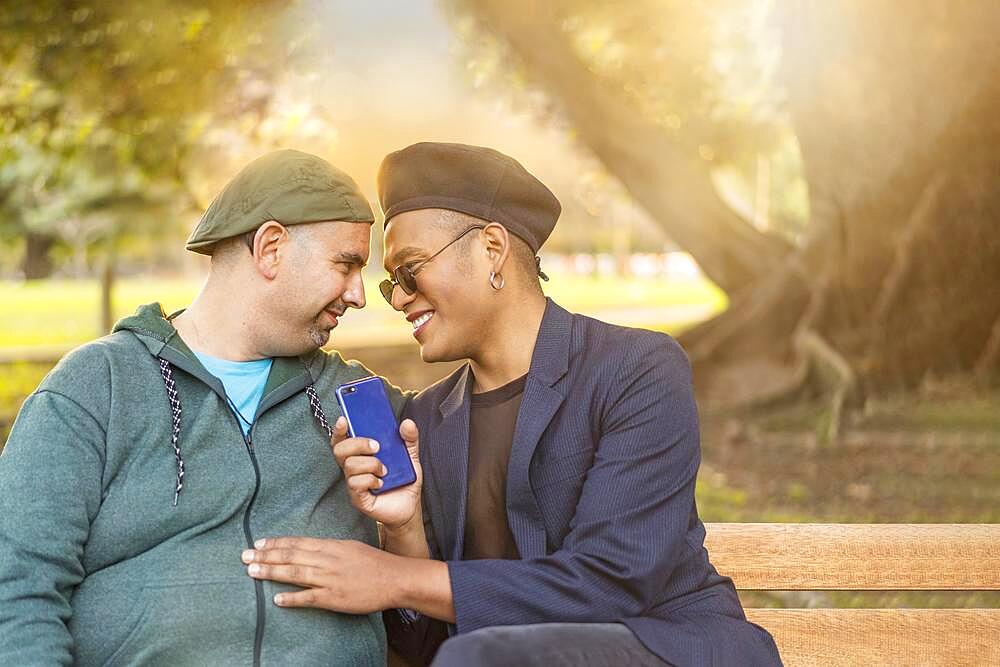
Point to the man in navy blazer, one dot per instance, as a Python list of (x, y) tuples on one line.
[(579, 470), (600, 499)]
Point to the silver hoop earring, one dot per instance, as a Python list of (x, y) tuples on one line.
[(493, 281)]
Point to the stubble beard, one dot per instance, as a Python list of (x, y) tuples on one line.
[(319, 336)]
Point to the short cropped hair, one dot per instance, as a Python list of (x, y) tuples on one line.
[(456, 222)]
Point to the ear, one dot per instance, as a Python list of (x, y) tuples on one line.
[(497, 240), (269, 243)]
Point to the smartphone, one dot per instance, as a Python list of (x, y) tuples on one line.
[(369, 414)]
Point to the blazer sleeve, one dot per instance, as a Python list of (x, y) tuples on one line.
[(630, 525)]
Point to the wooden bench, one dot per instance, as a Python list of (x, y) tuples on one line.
[(868, 557)]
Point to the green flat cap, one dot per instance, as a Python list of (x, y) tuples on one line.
[(289, 187)]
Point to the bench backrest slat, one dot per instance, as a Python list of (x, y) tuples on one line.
[(871, 637), (763, 556)]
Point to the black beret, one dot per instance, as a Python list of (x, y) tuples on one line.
[(478, 181)]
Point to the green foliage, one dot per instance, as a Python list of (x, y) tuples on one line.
[(705, 73), (700, 70), (102, 102)]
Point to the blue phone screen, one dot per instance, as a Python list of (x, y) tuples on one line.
[(369, 415)]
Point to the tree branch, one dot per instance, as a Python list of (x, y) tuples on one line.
[(673, 186)]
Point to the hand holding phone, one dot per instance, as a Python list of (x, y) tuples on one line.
[(395, 465)]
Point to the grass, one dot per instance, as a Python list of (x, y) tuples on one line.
[(966, 408), (943, 414), (588, 293), (66, 313), (59, 314)]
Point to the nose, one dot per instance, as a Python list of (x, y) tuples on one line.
[(400, 299), (354, 295)]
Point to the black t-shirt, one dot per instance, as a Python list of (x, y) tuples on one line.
[(493, 416)]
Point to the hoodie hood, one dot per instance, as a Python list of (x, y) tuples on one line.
[(150, 325)]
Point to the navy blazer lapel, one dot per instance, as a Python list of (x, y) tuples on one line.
[(449, 455), (549, 362)]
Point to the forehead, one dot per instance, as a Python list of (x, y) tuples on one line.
[(343, 237), (413, 233)]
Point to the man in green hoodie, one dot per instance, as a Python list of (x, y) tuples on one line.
[(148, 459)]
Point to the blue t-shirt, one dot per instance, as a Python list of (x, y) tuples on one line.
[(243, 381)]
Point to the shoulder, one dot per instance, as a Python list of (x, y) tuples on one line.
[(426, 401), (331, 363), (599, 343), (88, 366), (85, 376), (334, 370)]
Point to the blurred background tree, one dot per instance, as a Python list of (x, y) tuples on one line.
[(831, 165), (103, 106), (891, 279)]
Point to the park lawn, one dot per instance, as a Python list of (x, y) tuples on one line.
[(585, 293), (66, 312)]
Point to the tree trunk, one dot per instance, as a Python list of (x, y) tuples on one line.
[(904, 166), (899, 275), (37, 264), (672, 183), (896, 114)]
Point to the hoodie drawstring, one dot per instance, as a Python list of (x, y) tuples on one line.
[(175, 412), (318, 410)]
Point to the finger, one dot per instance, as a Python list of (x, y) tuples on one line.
[(300, 575), (339, 431), (297, 543), (285, 556), (361, 465), (411, 436), (361, 483), (311, 597), (345, 449)]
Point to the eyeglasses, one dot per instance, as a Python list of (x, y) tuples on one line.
[(406, 275)]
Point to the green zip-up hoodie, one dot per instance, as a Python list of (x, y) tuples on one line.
[(98, 566)]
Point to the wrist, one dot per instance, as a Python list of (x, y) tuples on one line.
[(411, 576), (401, 587), (405, 529)]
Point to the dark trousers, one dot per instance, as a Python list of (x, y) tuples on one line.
[(547, 645)]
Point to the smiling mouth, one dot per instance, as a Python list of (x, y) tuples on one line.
[(419, 322), (334, 315)]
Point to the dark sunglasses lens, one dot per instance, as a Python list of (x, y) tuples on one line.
[(386, 287), (406, 279)]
